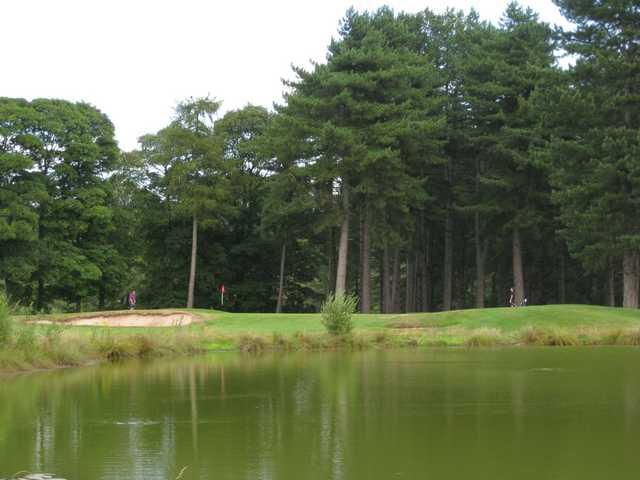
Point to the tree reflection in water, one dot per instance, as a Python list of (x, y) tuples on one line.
[(372, 415)]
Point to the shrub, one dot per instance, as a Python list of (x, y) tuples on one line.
[(6, 322), (336, 313)]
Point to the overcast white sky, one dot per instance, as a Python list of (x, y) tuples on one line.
[(135, 59)]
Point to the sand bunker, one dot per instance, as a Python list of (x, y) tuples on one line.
[(134, 320)]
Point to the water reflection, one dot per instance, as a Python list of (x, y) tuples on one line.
[(525, 413)]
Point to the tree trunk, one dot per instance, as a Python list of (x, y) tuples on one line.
[(365, 284), (495, 300), (283, 254), (40, 291), (611, 285), (192, 271), (448, 263), (630, 278), (395, 284), (419, 267), (386, 283), (536, 283), (381, 286), (481, 255), (562, 287), (101, 295), (481, 248), (630, 267), (331, 254), (501, 287), (408, 306), (343, 248), (414, 259), (426, 276), (360, 256), (518, 275), (461, 284)]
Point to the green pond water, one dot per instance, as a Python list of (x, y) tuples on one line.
[(521, 413)]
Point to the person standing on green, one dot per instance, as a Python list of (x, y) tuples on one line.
[(132, 299)]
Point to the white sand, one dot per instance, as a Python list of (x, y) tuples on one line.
[(133, 320)]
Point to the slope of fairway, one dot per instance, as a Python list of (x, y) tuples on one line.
[(509, 319), (568, 317), (504, 319), (285, 323)]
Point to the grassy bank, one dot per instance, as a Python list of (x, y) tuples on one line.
[(43, 347), (30, 346)]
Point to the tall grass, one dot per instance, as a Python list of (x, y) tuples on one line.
[(549, 337), (486, 337), (251, 343), (35, 347), (25, 346)]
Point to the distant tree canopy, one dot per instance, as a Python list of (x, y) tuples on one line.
[(56, 203), (433, 162)]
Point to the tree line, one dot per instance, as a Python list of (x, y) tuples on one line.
[(433, 162)]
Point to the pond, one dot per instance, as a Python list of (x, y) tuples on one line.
[(526, 413)]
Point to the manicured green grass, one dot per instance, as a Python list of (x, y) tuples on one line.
[(558, 316), (503, 319), (283, 323)]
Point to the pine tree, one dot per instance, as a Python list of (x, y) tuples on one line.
[(597, 153), (515, 181), (364, 112), (193, 181)]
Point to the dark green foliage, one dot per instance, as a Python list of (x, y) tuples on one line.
[(594, 149), (56, 212), (432, 162)]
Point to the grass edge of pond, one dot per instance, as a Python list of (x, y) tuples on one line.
[(74, 347)]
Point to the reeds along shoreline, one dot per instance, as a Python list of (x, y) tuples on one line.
[(31, 348)]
